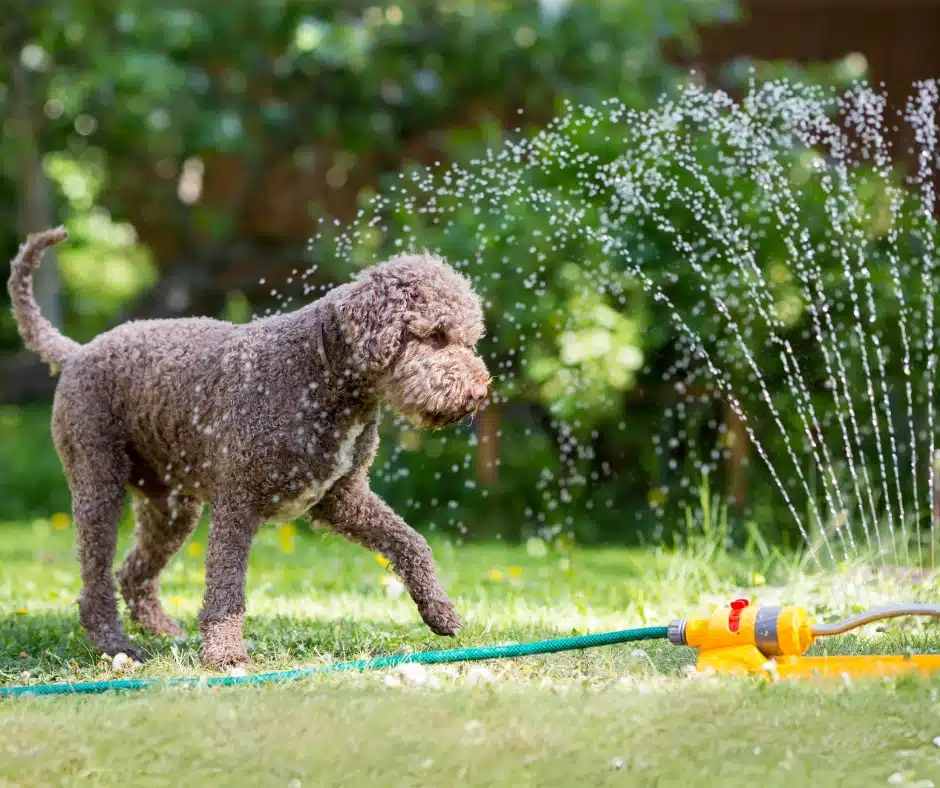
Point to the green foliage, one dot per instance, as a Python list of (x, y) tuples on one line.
[(132, 93), (103, 266), (32, 483)]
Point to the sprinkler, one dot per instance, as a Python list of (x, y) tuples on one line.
[(748, 639)]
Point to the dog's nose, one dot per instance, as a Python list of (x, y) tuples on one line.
[(478, 390)]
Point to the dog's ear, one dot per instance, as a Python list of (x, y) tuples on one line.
[(372, 315)]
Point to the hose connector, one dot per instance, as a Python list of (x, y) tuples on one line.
[(676, 632)]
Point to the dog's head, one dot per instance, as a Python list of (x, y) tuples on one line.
[(413, 323)]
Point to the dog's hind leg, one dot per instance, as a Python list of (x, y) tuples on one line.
[(96, 465), (163, 523)]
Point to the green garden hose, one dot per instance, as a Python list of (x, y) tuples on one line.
[(376, 663)]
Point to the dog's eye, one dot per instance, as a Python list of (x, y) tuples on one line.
[(437, 338)]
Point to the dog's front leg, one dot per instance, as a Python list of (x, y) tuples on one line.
[(231, 530), (353, 510)]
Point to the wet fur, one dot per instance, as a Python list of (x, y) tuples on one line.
[(261, 421)]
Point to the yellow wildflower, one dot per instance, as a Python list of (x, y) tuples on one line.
[(286, 534), (515, 571), (194, 549), (21, 611), (495, 575), (60, 521), (381, 560)]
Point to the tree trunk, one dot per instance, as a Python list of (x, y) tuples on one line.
[(737, 439), (488, 449)]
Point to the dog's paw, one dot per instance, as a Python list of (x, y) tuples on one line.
[(221, 658), (440, 616), (223, 655), (222, 643)]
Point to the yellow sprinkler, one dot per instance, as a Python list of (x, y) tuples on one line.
[(771, 641)]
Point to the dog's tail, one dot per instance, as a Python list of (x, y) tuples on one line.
[(38, 334)]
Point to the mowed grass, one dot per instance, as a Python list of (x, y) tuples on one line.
[(627, 715)]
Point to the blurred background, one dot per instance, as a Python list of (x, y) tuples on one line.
[(191, 149)]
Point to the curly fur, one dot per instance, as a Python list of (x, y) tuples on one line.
[(264, 421)]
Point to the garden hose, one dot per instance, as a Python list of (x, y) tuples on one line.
[(376, 663)]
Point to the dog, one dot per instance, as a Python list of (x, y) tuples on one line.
[(265, 421)]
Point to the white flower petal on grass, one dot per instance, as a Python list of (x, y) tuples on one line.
[(616, 763), (237, 671), (480, 675), (474, 729), (121, 663), (391, 681), (413, 673)]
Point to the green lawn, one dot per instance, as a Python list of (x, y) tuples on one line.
[(628, 715)]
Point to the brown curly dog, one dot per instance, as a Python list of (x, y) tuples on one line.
[(264, 422)]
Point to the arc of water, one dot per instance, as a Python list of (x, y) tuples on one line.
[(809, 274), (613, 245), (655, 178), (865, 114), (610, 244), (746, 135), (834, 139), (920, 113)]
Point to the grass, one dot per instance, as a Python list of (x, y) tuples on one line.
[(620, 715)]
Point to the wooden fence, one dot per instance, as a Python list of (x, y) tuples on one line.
[(898, 38)]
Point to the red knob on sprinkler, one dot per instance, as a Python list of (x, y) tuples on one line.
[(734, 619)]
